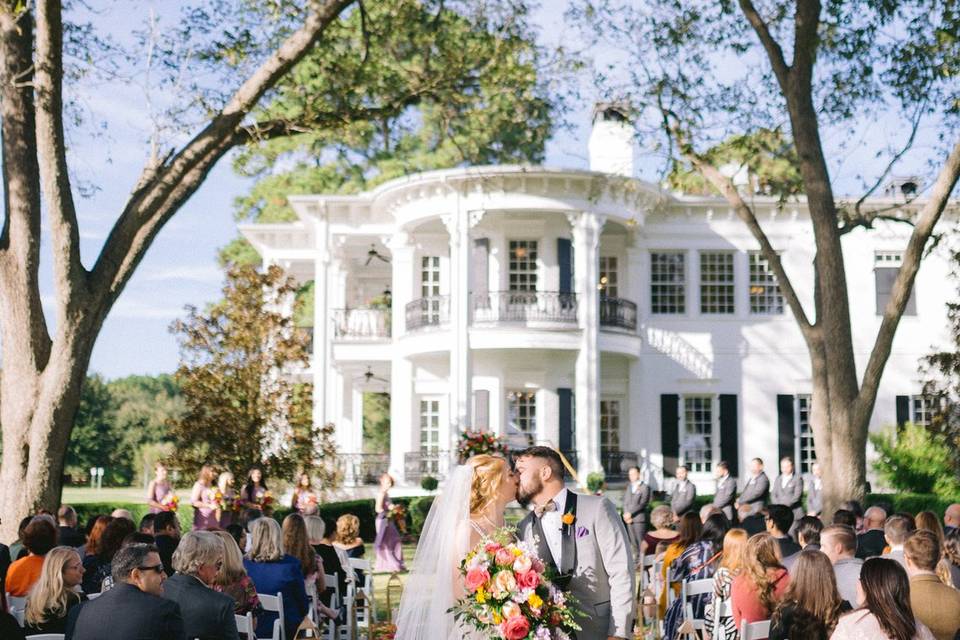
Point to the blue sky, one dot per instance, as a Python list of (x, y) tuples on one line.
[(180, 268)]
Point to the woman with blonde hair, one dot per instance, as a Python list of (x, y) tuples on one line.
[(274, 571), (811, 605), (731, 564), (232, 579), (761, 583), (55, 593), (347, 538), (203, 499), (227, 504)]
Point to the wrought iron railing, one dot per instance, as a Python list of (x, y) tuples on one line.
[(363, 468), (417, 464), (619, 313), (524, 306), (432, 311), (616, 463), (361, 324)]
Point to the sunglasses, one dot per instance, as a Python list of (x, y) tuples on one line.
[(157, 567)]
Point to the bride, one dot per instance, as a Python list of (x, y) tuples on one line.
[(470, 508)]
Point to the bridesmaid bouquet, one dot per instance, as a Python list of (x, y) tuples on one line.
[(398, 514), (508, 594), (225, 502), (170, 502)]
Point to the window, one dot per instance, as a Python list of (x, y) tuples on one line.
[(430, 289), (522, 415), (765, 296), (922, 409), (668, 278), (430, 435), (696, 435), (716, 282), (886, 265), (609, 287), (609, 426), (523, 265), (805, 452)]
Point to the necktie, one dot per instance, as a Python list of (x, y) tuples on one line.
[(542, 509)]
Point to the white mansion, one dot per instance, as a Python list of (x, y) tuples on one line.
[(585, 309)]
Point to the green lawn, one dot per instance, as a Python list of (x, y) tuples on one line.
[(83, 495)]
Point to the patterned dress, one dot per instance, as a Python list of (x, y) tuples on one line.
[(388, 545), (697, 562), (722, 587)]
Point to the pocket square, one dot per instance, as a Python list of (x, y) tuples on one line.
[(582, 532)]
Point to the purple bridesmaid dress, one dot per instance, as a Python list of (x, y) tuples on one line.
[(387, 545)]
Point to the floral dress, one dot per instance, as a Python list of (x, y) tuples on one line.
[(244, 594), (697, 562)]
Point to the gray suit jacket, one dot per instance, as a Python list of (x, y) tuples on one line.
[(597, 557), (814, 496), (724, 496), (681, 500), (789, 494), (755, 492), (636, 503), (207, 614)]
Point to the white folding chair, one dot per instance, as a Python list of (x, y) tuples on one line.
[(647, 564), (312, 600), (359, 564), (331, 582), (755, 630), (94, 596), (689, 590), (46, 636), (274, 604), (245, 626), (721, 610), (17, 605)]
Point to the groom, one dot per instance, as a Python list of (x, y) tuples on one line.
[(583, 539)]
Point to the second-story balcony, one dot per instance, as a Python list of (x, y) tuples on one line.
[(524, 307), (432, 311), (618, 313), (365, 324)]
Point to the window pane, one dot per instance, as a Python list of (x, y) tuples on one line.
[(523, 265), (608, 277), (765, 296), (609, 426), (667, 283), (806, 452), (522, 414), (716, 282), (696, 436)]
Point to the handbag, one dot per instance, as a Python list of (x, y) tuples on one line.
[(307, 629)]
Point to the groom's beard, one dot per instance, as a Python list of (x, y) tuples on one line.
[(525, 494)]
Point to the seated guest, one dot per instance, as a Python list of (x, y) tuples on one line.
[(839, 543), (206, 613), (122, 513), (9, 627), (166, 529), (951, 518), (662, 520), (731, 564), (239, 535), (845, 518), (348, 539), (138, 536), (275, 572), (690, 529), (297, 544), (134, 607), (808, 536), (856, 509), (234, 581), (39, 537), (97, 569), (811, 605), (779, 520), (951, 554), (871, 542), (316, 532), (94, 534), (699, 561), (146, 524), (70, 536), (934, 603), (896, 530), (17, 550), (885, 610), (55, 593), (753, 522), (762, 583)]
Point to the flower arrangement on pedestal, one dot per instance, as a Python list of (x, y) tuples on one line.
[(474, 443)]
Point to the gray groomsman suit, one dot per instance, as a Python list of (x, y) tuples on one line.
[(636, 499), (789, 494), (755, 492), (595, 564), (725, 495), (681, 500), (814, 495)]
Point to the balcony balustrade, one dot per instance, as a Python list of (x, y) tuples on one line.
[(362, 468), (429, 462), (361, 324), (616, 463), (524, 307), (618, 313), (433, 311)]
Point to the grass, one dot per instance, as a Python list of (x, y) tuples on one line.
[(83, 495)]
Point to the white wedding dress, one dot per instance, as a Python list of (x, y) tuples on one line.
[(433, 584)]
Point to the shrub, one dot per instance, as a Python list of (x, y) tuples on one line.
[(429, 483), (596, 481), (419, 508), (914, 459)]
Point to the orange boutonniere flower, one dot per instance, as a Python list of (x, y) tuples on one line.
[(568, 519)]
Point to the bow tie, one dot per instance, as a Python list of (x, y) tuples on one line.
[(542, 509)]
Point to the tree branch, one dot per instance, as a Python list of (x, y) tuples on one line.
[(770, 45), (915, 126), (926, 220), (806, 21)]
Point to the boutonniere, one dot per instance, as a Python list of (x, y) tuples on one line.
[(568, 518)]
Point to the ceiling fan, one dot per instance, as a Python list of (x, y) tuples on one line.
[(368, 377), (373, 253)]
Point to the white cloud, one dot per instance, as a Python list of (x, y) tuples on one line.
[(137, 310), (205, 274)]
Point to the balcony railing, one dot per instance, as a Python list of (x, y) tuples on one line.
[(616, 464), (618, 313), (432, 311), (361, 324), (417, 464), (363, 468), (524, 307)]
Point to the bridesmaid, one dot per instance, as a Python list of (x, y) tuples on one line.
[(228, 500), (203, 500), (387, 544), (254, 493), (305, 500), (158, 489)]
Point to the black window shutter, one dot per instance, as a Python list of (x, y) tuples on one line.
[(566, 419), (729, 432), (903, 410), (565, 262), (785, 426), (670, 431)]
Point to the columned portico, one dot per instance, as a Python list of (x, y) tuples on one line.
[(320, 365)]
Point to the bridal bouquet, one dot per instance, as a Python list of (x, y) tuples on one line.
[(509, 595)]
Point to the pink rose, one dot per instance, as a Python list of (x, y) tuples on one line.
[(510, 609), (528, 580), (492, 547), (503, 583), (522, 564), (515, 628), (504, 557), (476, 578)]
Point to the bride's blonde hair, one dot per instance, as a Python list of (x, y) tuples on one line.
[(487, 478)]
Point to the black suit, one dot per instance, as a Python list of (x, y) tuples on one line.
[(636, 503), (125, 612), (70, 537), (870, 543), (206, 613), (754, 524), (166, 545)]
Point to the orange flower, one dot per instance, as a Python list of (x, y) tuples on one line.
[(568, 519)]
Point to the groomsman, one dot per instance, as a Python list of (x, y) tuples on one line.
[(788, 489), (684, 493), (636, 501), (757, 488), (726, 492), (815, 491)]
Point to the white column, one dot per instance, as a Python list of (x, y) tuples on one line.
[(404, 436), (321, 327), (634, 273), (460, 409), (586, 227)]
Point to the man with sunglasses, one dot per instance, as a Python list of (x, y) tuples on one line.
[(207, 614), (134, 607)]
